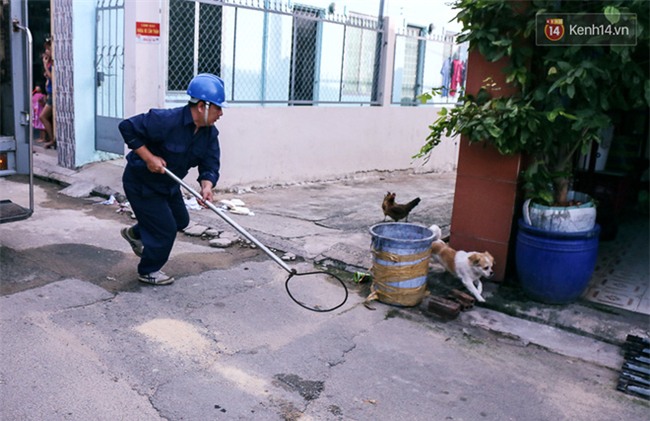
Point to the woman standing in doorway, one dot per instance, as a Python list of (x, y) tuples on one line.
[(47, 115)]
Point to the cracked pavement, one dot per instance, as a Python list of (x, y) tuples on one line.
[(81, 339)]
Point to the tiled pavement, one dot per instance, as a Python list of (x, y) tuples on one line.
[(622, 275)]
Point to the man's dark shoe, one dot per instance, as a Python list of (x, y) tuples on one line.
[(136, 245)]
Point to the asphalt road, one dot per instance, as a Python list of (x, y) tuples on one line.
[(81, 339)]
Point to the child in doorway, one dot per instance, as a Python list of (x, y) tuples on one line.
[(38, 103)]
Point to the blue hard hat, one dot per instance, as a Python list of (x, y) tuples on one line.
[(209, 88)]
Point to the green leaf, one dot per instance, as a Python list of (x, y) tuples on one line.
[(567, 115), (571, 91), (521, 78), (495, 132), (546, 196), (498, 55), (502, 43), (612, 14), (554, 86)]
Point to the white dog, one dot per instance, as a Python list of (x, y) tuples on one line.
[(469, 267)]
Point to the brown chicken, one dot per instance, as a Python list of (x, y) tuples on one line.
[(397, 211)]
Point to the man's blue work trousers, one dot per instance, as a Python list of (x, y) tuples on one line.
[(160, 217)]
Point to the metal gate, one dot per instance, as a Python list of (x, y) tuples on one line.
[(109, 75)]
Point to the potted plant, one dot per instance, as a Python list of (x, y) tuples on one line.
[(566, 97)]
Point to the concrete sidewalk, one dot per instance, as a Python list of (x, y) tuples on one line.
[(99, 178), (329, 223)]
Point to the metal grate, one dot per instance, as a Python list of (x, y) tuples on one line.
[(109, 58), (272, 52), (181, 68)]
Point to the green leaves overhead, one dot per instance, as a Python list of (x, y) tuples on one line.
[(566, 94)]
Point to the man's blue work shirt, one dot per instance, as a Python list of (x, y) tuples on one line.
[(169, 134)]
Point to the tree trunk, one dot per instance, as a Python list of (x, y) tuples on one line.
[(561, 191)]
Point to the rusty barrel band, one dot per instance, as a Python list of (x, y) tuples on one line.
[(400, 258), (384, 275)]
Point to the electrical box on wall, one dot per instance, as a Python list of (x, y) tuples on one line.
[(7, 155), (3, 161)]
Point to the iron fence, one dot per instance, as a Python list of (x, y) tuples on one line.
[(269, 52), (276, 52)]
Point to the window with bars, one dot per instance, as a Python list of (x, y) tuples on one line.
[(194, 42), (304, 53), (358, 65), (272, 54), (414, 52)]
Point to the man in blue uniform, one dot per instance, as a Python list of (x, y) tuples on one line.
[(179, 139)]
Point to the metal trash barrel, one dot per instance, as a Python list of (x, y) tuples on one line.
[(401, 253)]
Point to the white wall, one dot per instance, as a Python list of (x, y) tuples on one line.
[(267, 146), (145, 71)]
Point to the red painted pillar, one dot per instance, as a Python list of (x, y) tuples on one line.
[(485, 199)]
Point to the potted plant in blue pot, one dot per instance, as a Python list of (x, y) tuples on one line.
[(566, 96)]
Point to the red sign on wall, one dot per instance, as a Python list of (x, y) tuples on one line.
[(148, 32)]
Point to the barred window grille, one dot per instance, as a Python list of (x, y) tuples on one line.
[(278, 53), (304, 53), (413, 66), (209, 57), (359, 63), (194, 40), (269, 52), (180, 68)]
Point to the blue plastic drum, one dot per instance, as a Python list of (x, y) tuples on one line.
[(555, 267)]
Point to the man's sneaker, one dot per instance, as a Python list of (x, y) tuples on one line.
[(156, 278), (136, 245)]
